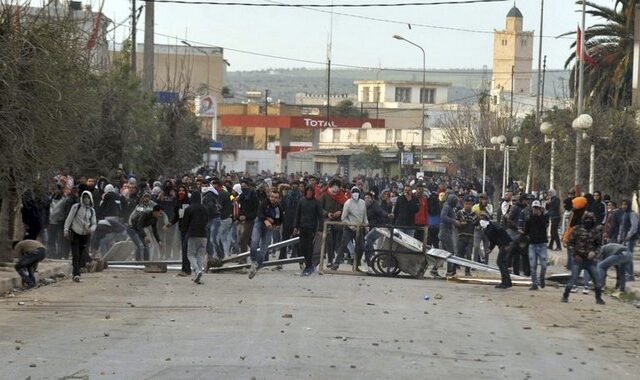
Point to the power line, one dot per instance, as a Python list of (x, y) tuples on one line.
[(348, 66), (312, 5), (412, 24)]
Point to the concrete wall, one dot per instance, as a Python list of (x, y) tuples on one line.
[(237, 161)]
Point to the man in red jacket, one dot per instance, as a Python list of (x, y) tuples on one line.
[(422, 216)]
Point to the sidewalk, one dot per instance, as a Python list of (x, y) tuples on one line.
[(560, 260), (9, 278)]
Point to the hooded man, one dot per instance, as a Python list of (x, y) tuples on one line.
[(31, 217), (628, 232), (290, 198), (308, 218), (354, 215), (29, 254), (377, 217), (498, 236), (447, 223), (78, 227), (555, 217), (226, 212), (184, 201), (585, 242), (111, 204)]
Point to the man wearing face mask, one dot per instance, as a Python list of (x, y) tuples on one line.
[(332, 201), (585, 242), (354, 214)]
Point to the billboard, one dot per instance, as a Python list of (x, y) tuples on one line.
[(206, 106)]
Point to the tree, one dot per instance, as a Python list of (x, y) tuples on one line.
[(369, 160), (610, 44), (346, 108), (44, 103)]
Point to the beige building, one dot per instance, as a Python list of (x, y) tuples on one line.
[(202, 68), (512, 53)]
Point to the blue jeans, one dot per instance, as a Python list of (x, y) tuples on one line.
[(260, 238), (588, 266), (537, 252), (224, 236), (622, 261), (212, 237), (369, 241), (631, 244)]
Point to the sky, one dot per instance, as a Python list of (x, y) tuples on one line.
[(304, 34)]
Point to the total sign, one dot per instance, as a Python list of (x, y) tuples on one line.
[(335, 122)]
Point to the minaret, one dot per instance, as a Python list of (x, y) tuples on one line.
[(512, 50)]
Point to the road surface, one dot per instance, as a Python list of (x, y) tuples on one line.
[(123, 324)]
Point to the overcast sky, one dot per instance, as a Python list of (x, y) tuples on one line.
[(303, 34)]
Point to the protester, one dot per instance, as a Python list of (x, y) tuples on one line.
[(585, 242), (536, 231), (29, 253), (308, 219), (196, 221), (498, 237), (269, 216), (618, 255), (78, 227), (354, 215)]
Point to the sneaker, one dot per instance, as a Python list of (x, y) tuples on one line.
[(252, 271), (533, 287), (565, 299), (76, 278), (335, 266), (542, 283), (310, 271), (574, 289), (585, 290), (198, 277), (600, 301), (184, 274)]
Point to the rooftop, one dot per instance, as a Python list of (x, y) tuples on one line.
[(514, 12), (402, 82)]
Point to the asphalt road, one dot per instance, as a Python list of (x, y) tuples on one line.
[(132, 325)]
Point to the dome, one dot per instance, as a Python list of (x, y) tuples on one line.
[(514, 12)]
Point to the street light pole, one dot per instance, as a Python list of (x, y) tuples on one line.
[(580, 97), (423, 92)]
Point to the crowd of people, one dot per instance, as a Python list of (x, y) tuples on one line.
[(215, 216)]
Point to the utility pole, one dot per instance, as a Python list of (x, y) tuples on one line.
[(537, 122), (133, 37), (544, 75), (266, 113), (148, 64)]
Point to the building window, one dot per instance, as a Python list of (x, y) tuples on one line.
[(389, 136), (504, 42), (428, 95), (398, 135), (403, 94), (365, 94), (523, 42), (362, 135), (376, 94), (336, 135)]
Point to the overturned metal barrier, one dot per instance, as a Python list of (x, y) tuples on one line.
[(415, 245), (293, 260)]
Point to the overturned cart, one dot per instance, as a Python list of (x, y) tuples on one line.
[(400, 253)]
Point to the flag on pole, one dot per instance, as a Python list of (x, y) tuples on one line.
[(587, 58)]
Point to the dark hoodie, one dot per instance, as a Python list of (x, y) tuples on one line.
[(404, 213), (448, 213), (308, 215)]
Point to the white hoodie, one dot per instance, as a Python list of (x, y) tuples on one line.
[(81, 219)]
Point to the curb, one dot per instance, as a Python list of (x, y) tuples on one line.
[(7, 285), (560, 259)]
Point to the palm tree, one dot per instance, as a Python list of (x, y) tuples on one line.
[(610, 44)]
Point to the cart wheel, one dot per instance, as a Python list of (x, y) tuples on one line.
[(385, 264)]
